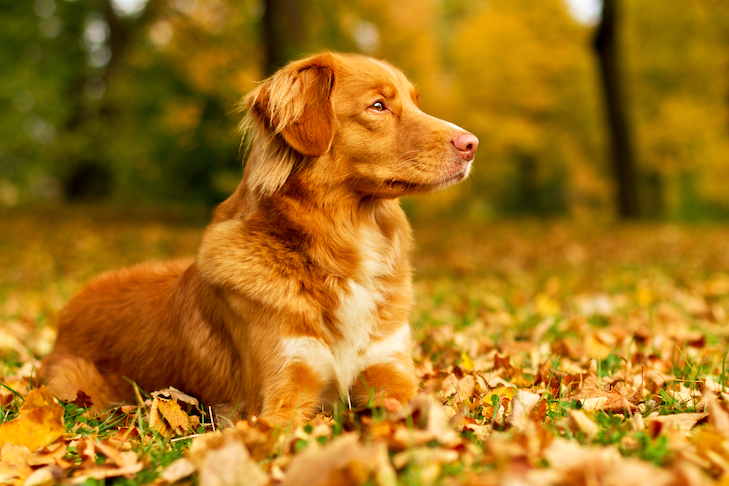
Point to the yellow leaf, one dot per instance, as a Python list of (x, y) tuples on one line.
[(466, 362), (167, 416), (40, 421), (545, 305), (644, 296), (504, 395), (596, 349)]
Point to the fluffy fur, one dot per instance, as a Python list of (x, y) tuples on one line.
[(301, 289)]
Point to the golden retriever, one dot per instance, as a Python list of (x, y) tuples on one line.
[(301, 289)]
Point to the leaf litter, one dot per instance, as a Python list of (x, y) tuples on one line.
[(548, 354)]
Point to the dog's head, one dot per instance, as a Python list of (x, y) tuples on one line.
[(355, 122)]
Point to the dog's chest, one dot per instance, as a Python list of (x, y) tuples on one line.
[(360, 344)]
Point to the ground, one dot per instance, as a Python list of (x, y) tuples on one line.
[(549, 352)]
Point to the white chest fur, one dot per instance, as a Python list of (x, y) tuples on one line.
[(356, 315)]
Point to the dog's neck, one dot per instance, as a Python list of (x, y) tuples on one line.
[(328, 220)]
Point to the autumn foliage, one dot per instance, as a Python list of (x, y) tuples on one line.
[(156, 120), (547, 353)]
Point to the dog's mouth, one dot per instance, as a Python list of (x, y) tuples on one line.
[(400, 188), (454, 173)]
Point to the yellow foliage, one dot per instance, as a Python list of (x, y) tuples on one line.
[(40, 422), (466, 362), (545, 305)]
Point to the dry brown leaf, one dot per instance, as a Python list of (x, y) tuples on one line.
[(680, 421), (259, 437), (523, 403), (685, 395), (429, 419), (345, 462), (579, 465), (128, 465), (688, 474), (578, 420), (718, 417), (596, 348), (111, 452), (175, 394), (712, 448), (52, 454), (593, 398), (45, 475), (714, 386), (86, 450), (14, 463), (178, 470), (458, 389), (420, 456), (589, 387), (178, 420), (222, 459), (39, 423), (167, 417)]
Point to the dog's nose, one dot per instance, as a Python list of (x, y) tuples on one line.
[(466, 144)]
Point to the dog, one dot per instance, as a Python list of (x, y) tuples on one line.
[(300, 292)]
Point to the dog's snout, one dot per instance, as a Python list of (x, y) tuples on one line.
[(466, 144)]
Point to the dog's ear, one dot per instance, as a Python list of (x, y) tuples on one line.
[(296, 103)]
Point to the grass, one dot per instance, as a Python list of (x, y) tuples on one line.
[(504, 307)]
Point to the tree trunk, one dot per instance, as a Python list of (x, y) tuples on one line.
[(622, 149), (282, 33), (90, 178)]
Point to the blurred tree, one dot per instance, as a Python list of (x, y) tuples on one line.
[(140, 104), (89, 177), (523, 83), (132, 103), (282, 32), (606, 44), (677, 71)]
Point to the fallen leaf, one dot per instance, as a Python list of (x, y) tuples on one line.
[(39, 423), (167, 417), (259, 438), (222, 459), (496, 401), (523, 403), (586, 465), (178, 470), (127, 464), (593, 398), (680, 421), (579, 420), (595, 348), (177, 395), (424, 455), (718, 417), (14, 463), (545, 305), (52, 454), (466, 362), (44, 475), (345, 462), (429, 420)]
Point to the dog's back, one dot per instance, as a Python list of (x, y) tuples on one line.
[(144, 324)]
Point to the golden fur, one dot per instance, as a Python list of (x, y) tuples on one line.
[(301, 289)]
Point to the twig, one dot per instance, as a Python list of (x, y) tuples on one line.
[(177, 439)]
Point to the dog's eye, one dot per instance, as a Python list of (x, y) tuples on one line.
[(378, 106)]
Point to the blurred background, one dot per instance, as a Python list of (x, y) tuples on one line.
[(582, 109)]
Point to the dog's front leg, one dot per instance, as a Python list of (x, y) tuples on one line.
[(293, 396), (390, 384)]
